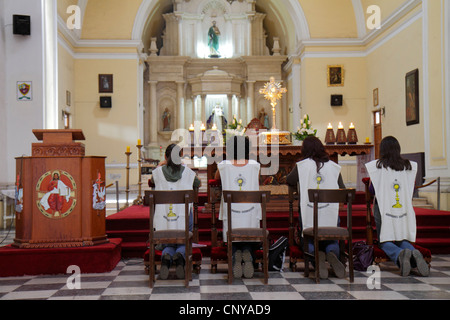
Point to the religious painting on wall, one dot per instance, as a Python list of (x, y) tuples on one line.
[(335, 76), (412, 97), (375, 97), (105, 83)]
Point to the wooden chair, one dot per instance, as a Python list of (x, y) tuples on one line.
[(197, 255), (371, 234), (218, 251), (247, 234), (295, 250), (317, 233), (170, 236)]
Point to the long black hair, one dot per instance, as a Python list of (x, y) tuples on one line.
[(313, 148), (390, 156), (238, 148), (173, 157)]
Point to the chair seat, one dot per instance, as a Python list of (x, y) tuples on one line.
[(248, 232), (173, 234), (325, 232)]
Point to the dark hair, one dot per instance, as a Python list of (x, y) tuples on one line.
[(171, 156), (390, 156), (238, 148), (313, 148)]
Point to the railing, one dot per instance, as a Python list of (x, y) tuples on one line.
[(438, 195)]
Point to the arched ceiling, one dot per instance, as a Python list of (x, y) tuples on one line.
[(290, 20)]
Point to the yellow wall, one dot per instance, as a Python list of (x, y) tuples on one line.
[(316, 95), (109, 19), (387, 67), (108, 131), (330, 18)]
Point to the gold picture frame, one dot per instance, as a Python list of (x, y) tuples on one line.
[(335, 75)]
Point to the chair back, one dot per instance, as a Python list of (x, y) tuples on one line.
[(261, 197), (332, 196)]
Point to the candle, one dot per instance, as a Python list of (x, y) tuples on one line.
[(340, 126), (203, 128), (330, 126), (139, 142), (214, 127), (191, 127), (128, 149), (351, 126), (367, 140)]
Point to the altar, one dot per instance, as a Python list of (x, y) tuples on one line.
[(277, 160)]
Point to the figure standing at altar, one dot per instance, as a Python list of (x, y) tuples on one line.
[(213, 34)]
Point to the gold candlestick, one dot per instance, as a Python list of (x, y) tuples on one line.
[(127, 189), (139, 199)]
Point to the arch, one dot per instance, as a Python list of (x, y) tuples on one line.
[(293, 9)]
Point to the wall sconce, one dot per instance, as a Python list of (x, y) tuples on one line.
[(383, 111)]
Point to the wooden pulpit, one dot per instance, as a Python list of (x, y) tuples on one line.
[(60, 193)]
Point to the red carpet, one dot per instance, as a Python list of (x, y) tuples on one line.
[(92, 259)]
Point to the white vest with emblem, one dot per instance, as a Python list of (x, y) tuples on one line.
[(171, 216), (326, 178), (245, 178), (394, 191)]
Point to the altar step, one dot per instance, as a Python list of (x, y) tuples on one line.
[(422, 203)]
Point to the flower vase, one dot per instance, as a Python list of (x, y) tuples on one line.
[(296, 142)]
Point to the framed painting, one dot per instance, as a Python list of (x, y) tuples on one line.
[(335, 76), (412, 97), (105, 83)]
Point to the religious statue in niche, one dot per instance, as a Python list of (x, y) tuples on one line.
[(264, 118), (166, 119), (217, 118), (213, 34)]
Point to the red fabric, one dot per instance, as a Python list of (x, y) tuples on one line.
[(214, 182), (92, 259), (295, 252), (219, 253)]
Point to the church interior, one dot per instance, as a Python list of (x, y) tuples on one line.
[(92, 92)]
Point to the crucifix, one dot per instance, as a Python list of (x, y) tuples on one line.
[(273, 92)]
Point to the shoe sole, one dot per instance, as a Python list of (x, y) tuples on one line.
[(337, 266), (422, 266), (323, 269), (178, 260), (405, 262), (237, 264), (249, 270), (164, 270)]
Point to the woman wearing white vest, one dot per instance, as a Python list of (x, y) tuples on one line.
[(240, 173), (393, 179), (316, 171), (171, 175)]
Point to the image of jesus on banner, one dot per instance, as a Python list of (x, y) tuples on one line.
[(57, 194)]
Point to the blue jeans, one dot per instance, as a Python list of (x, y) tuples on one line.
[(326, 246), (391, 248), (171, 249)]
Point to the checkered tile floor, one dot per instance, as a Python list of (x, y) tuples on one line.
[(129, 281)]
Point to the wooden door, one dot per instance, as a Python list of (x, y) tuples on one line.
[(377, 135)]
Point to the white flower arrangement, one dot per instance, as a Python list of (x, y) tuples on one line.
[(305, 129), (235, 128)]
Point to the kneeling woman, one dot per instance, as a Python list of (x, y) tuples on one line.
[(172, 175)]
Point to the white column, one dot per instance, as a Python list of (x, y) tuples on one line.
[(296, 94), (180, 105), (153, 114), (230, 108), (50, 64), (250, 100), (202, 109)]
